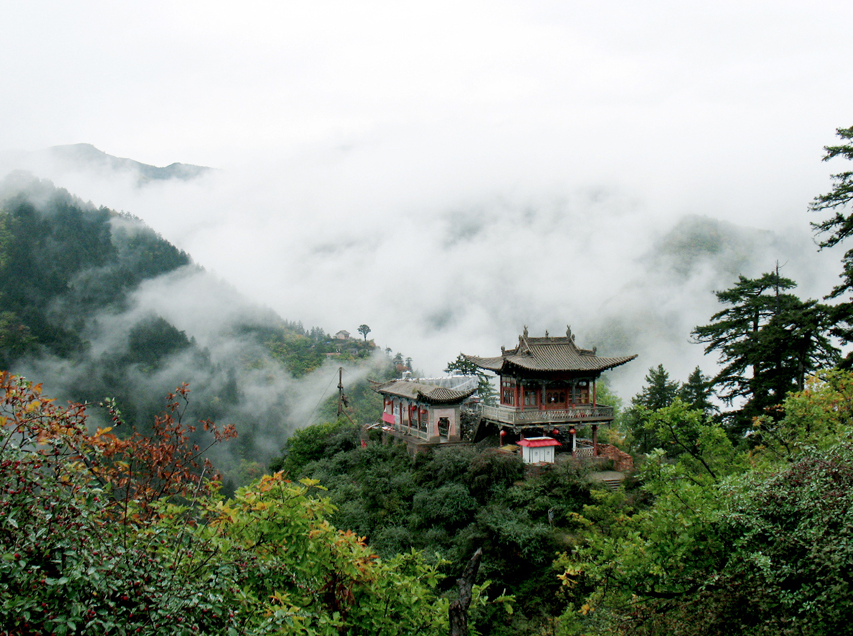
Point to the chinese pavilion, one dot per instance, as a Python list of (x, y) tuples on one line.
[(548, 385), (423, 411)]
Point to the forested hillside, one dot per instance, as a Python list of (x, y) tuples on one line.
[(96, 304), (447, 504), (102, 535)]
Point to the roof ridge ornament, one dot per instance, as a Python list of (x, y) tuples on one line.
[(523, 345), (535, 355)]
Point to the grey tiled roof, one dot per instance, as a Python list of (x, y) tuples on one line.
[(548, 354), (428, 393)]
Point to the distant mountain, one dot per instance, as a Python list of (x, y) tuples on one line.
[(699, 240), (85, 157), (671, 289)]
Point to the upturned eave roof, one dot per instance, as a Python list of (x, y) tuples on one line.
[(421, 392), (548, 354)]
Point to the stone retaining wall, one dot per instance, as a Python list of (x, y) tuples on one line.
[(622, 461)]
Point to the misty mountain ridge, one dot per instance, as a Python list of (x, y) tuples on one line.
[(85, 157), (95, 304), (116, 310), (671, 290), (696, 241)]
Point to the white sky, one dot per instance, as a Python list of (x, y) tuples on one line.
[(443, 171)]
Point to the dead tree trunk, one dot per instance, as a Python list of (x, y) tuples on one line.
[(459, 607)]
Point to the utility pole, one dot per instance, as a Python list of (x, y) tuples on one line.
[(342, 398)]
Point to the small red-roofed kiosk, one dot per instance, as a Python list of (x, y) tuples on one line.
[(536, 450)]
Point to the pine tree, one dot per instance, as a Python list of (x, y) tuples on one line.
[(485, 390), (835, 229), (768, 341), (659, 392), (696, 393)]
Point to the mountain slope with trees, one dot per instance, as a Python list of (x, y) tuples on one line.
[(96, 304), (746, 524), (104, 535)]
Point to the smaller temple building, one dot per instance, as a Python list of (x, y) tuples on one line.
[(422, 413)]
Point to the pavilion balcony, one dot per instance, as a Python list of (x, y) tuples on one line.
[(534, 417), (411, 431)]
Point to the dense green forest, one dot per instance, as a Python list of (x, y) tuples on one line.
[(448, 503), (736, 520)]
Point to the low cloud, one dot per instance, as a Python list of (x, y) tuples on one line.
[(463, 269)]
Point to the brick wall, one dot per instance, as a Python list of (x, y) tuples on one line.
[(622, 461)]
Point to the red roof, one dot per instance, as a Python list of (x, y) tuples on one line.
[(534, 442)]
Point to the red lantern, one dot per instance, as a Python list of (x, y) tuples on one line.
[(556, 431), (572, 430)]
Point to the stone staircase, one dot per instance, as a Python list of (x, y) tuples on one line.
[(610, 478), (613, 483)]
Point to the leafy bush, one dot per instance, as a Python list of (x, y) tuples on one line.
[(449, 505), (313, 443), (453, 500), (751, 542), (106, 535)]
